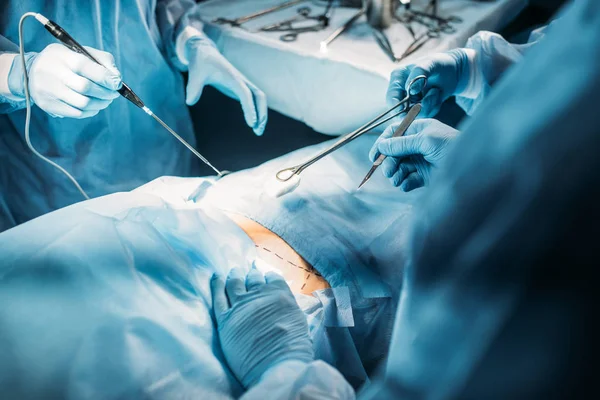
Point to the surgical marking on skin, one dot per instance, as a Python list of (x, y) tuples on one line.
[(303, 286), (310, 271)]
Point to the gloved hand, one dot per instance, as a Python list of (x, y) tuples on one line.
[(259, 322), (207, 66), (67, 84), (447, 74), (412, 157)]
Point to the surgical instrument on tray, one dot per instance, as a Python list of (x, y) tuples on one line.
[(289, 25), (406, 103), (430, 21), (241, 20), (419, 42), (384, 43), (401, 130), (125, 91), (452, 19), (335, 34)]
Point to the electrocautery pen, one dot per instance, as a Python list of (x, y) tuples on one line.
[(125, 91)]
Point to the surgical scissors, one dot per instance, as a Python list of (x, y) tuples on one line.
[(405, 104)]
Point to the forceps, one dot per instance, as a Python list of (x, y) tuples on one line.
[(406, 104), (419, 42), (239, 21), (384, 43), (452, 19), (430, 21), (321, 22)]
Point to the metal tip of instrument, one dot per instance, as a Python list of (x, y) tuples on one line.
[(186, 144), (368, 176)]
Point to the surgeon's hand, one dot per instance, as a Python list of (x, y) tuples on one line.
[(67, 84), (447, 74), (412, 157), (259, 322), (207, 66)]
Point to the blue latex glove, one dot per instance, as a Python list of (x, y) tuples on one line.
[(67, 84), (412, 157), (207, 66), (259, 322), (447, 74)]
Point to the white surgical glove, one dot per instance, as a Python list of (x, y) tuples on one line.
[(207, 66), (67, 84), (260, 324)]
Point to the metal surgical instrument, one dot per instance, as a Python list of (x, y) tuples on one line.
[(405, 104), (384, 43), (419, 42), (239, 21), (335, 34), (401, 130), (304, 14), (66, 39)]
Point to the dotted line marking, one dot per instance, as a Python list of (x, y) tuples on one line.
[(310, 271)]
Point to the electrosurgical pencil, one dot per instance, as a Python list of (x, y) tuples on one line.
[(125, 91)]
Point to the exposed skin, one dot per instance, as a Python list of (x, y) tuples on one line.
[(299, 274)]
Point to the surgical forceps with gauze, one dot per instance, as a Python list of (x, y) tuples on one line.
[(405, 104), (241, 20)]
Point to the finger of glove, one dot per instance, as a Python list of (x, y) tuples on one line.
[(106, 59), (389, 166), (400, 147), (82, 102), (254, 279), (243, 93), (88, 88), (431, 103), (196, 81), (219, 298), (260, 100), (59, 108), (404, 169), (396, 88), (412, 182), (87, 68), (419, 85), (387, 133), (235, 286), (274, 279)]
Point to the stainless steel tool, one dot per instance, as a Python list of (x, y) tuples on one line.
[(404, 105), (401, 130), (241, 20)]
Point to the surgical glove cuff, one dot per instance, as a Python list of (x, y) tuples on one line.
[(190, 39), (472, 80), (16, 75), (461, 60)]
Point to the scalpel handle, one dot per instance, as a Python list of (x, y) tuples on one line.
[(401, 130)]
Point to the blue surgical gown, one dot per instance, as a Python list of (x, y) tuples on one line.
[(491, 55), (121, 147), (497, 301)]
